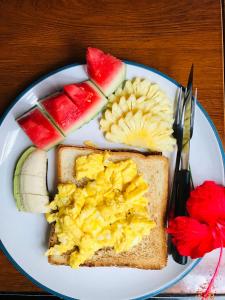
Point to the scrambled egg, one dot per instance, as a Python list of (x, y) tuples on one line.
[(109, 211)]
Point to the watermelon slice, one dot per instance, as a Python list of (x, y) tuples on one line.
[(63, 111), (88, 98), (39, 129), (105, 70)]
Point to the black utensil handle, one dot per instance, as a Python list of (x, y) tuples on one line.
[(171, 206), (183, 192), (182, 195)]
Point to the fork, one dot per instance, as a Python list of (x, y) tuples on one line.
[(178, 129), (178, 135), (182, 183)]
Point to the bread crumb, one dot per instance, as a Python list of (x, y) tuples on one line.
[(89, 143)]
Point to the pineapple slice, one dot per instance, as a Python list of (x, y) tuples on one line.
[(141, 131), (137, 87), (139, 114)]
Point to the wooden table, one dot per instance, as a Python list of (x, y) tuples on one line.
[(39, 36)]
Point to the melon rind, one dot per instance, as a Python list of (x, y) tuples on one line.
[(40, 103), (53, 143), (115, 83), (61, 136), (47, 115), (88, 115), (105, 70)]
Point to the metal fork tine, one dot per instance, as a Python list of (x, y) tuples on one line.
[(176, 113), (190, 79), (176, 102), (188, 89), (193, 105), (178, 106)]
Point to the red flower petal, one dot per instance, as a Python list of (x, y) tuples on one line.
[(207, 203), (191, 237)]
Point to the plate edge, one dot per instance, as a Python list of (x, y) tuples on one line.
[(3, 116)]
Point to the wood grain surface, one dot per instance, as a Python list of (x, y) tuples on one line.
[(169, 35)]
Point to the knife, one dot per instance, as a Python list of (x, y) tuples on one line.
[(183, 175)]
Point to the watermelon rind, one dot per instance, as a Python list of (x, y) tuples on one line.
[(115, 83), (61, 136), (117, 78), (93, 111), (88, 117), (84, 119), (48, 116), (55, 143)]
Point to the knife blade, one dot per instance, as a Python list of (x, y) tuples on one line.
[(183, 180)]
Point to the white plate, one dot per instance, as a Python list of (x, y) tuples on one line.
[(24, 236)]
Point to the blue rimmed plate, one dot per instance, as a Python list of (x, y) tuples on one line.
[(24, 236)]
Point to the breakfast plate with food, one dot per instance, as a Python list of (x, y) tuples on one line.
[(87, 160)]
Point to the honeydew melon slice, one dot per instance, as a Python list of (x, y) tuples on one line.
[(105, 70), (40, 129), (29, 182)]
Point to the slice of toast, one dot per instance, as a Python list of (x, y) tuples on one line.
[(151, 252)]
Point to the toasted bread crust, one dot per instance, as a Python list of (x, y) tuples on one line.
[(151, 252)]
